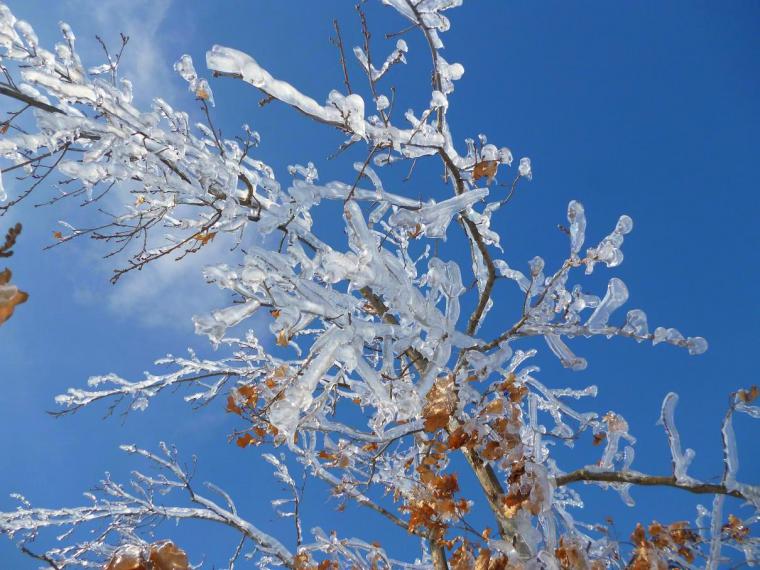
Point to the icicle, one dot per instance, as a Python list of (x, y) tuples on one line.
[(715, 530), (216, 324), (681, 460), (730, 453), (517, 276), (577, 218), (617, 295), (565, 355)]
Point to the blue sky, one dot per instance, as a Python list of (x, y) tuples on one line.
[(647, 108)]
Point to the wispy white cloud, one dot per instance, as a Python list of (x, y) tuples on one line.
[(146, 63), (166, 293)]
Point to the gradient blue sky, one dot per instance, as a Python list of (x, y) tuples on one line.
[(647, 108)]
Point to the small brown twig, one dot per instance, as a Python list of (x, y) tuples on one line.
[(10, 241), (338, 42)]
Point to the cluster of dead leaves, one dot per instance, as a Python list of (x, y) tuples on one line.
[(748, 395), (503, 416), (524, 492), (434, 502), (485, 169), (571, 555), (506, 431), (242, 397), (10, 295), (655, 548), (336, 458), (441, 403), (463, 559), (736, 529), (162, 555), (302, 561), (243, 401), (204, 237)]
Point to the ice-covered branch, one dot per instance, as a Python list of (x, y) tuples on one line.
[(210, 375), (124, 509), (637, 478)]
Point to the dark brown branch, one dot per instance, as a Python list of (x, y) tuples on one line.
[(339, 44), (636, 478), (367, 36), (18, 95), (50, 562), (472, 229)]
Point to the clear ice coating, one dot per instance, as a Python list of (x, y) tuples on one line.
[(669, 335), (525, 169), (636, 324), (696, 345), (186, 69), (608, 251), (577, 218), (681, 459), (565, 355), (616, 296)]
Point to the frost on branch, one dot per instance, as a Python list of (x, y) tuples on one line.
[(345, 343)]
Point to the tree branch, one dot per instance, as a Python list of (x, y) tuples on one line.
[(637, 478)]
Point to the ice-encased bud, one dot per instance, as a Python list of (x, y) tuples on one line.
[(489, 152), (186, 69), (662, 334), (577, 218), (505, 156), (525, 169), (27, 32), (624, 225), (608, 251), (536, 266), (438, 101), (636, 324), (696, 345)]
